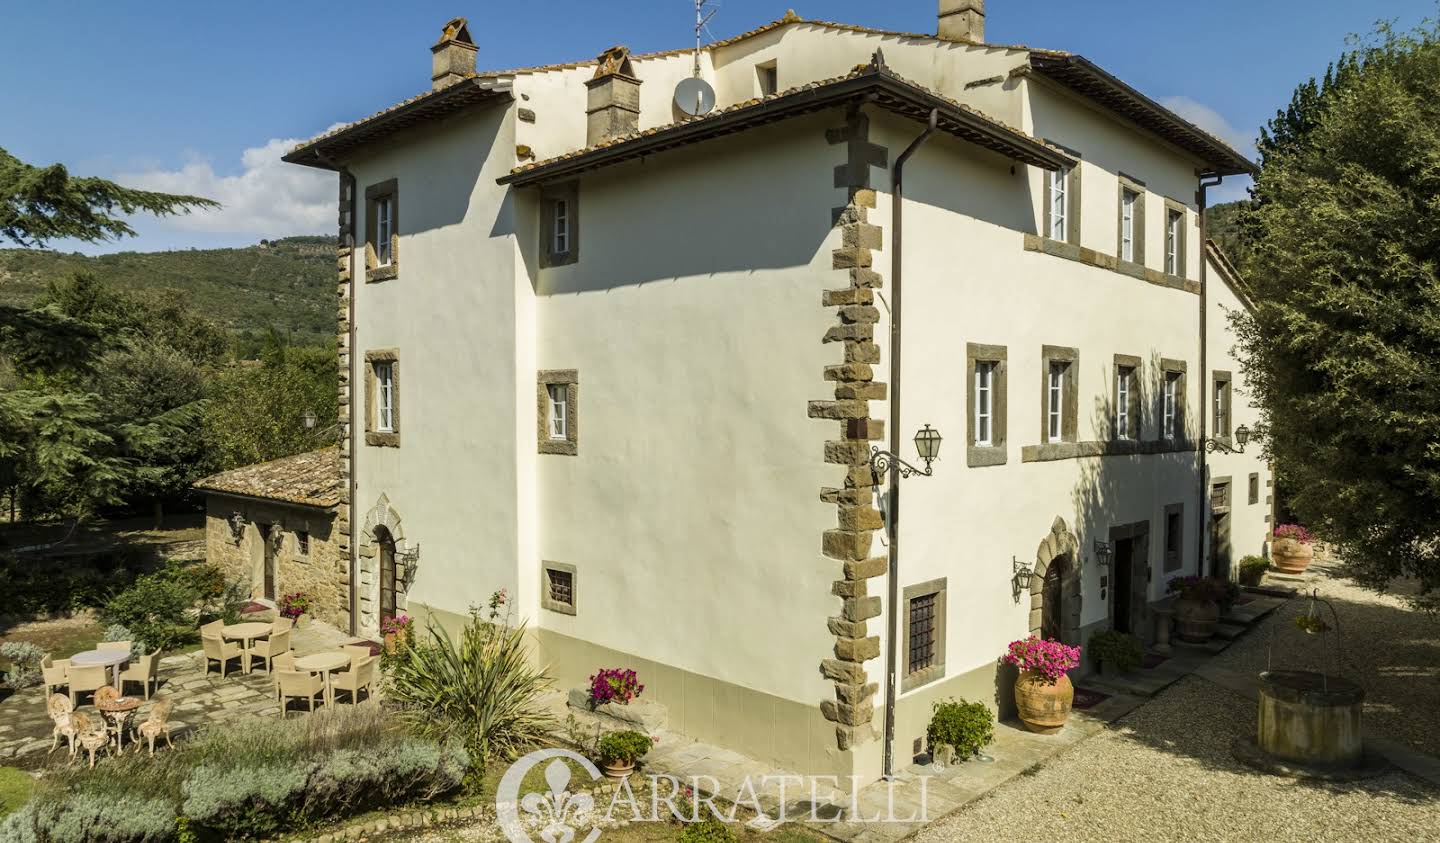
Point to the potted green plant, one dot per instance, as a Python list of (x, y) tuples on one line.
[(1118, 652), (958, 729), (1291, 549), (620, 750), (1197, 607), (1043, 692), (1252, 569)]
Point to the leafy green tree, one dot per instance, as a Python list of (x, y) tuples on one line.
[(255, 412), (40, 204), (1343, 349)]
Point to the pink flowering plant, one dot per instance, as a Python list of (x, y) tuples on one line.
[(396, 626), (1047, 657), (294, 605), (1294, 531), (614, 685)]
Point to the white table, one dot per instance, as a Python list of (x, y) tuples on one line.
[(324, 662), (109, 658)]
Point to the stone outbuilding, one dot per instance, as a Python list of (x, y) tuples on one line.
[(272, 525)]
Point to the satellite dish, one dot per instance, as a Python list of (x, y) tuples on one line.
[(694, 96)]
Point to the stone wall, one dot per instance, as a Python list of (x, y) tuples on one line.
[(321, 573)]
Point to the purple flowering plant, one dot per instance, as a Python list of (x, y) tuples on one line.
[(1294, 531), (1047, 657), (294, 605), (396, 625), (614, 685)]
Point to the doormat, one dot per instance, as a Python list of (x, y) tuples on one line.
[(1086, 698), (375, 647), (252, 607), (1153, 660)]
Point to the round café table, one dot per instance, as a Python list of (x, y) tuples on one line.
[(117, 712), (111, 659), (245, 633), (324, 662)]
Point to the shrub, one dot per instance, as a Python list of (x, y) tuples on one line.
[(614, 685), (708, 830), (156, 608), (1117, 649), (1049, 658), (24, 659), (1252, 569), (1199, 588), (623, 747), (294, 605), (483, 690), (961, 725), (103, 818), (120, 632)]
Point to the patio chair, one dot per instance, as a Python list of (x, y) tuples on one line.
[(360, 674), (114, 645), (157, 724), (92, 736), (55, 671), (212, 628), (144, 670), (295, 684), (219, 650), (87, 678), (267, 649), (59, 707), (282, 623), (358, 652), (284, 661)]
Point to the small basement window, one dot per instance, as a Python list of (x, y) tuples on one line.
[(557, 589), (924, 633)]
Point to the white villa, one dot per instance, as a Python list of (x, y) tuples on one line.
[(647, 354)]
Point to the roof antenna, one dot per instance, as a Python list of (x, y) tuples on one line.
[(701, 19)]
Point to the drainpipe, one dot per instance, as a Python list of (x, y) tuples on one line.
[(347, 239), (1207, 181), (892, 510)]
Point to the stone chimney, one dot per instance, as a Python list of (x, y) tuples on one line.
[(963, 20), (612, 104), (453, 56)]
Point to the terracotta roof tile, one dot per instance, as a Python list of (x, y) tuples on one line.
[(311, 479)]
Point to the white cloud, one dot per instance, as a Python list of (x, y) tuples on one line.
[(268, 198), (1211, 121)]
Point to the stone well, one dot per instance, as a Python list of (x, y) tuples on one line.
[(1309, 718)]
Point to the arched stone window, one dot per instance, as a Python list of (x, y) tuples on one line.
[(1055, 594)]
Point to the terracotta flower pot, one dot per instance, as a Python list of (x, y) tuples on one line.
[(1195, 620), (1044, 706), (1289, 556), (618, 769)]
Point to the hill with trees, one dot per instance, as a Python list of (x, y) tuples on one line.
[(285, 285)]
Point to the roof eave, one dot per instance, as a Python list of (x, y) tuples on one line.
[(878, 85), (326, 151), (1064, 68), (251, 496)]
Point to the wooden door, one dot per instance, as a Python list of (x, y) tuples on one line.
[(1120, 602), (387, 578), (1052, 624)]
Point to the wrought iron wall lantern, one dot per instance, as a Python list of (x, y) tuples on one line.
[(408, 556), (927, 445), (1104, 552), (308, 419), (236, 521), (1020, 576), (1242, 436)]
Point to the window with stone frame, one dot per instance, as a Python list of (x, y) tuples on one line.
[(558, 587), (1170, 409), (382, 231), (1254, 496), (1130, 245), (1174, 536), (1176, 216), (987, 372), (1126, 402), (382, 397), (302, 542), (1059, 394), (923, 658), (1061, 217), (767, 78), (556, 408), (1221, 382), (560, 224)]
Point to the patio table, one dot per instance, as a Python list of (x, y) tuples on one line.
[(117, 713), (111, 659), (324, 662), (246, 633)]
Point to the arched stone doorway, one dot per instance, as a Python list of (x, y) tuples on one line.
[(1055, 596), (386, 569)]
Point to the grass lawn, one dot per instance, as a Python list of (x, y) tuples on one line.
[(60, 638), (15, 787)]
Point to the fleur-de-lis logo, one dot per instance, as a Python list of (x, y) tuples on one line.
[(558, 813)]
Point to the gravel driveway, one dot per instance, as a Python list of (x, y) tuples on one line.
[(1165, 771)]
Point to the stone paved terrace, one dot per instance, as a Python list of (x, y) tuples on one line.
[(201, 698)]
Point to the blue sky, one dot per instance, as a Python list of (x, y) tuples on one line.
[(203, 97)]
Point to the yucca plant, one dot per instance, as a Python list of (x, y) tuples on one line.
[(482, 689)]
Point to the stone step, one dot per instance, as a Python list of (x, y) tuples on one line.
[(1272, 590), (1214, 645), (1229, 631), (645, 716)]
